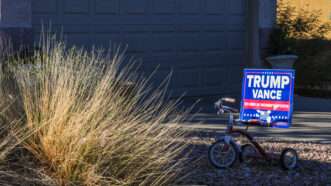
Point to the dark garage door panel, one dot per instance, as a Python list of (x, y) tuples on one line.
[(201, 41)]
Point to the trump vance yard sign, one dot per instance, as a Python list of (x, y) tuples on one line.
[(267, 95)]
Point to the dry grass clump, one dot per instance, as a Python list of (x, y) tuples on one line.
[(9, 109), (14, 169), (86, 127)]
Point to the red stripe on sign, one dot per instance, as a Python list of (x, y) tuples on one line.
[(267, 105)]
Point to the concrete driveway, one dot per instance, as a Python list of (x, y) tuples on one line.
[(311, 122)]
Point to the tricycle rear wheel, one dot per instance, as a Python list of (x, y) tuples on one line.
[(289, 159)]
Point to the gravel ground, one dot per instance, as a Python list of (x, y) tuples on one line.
[(314, 166)]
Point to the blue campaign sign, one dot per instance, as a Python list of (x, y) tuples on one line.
[(267, 96)]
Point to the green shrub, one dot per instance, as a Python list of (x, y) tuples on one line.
[(293, 24), (302, 32), (302, 23)]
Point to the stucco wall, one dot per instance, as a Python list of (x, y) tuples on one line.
[(15, 21), (267, 10), (15, 13), (267, 19)]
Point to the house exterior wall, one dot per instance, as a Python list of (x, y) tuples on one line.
[(201, 42), (15, 16), (267, 19), (15, 23), (19, 17)]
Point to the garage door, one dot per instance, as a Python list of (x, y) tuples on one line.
[(201, 41)]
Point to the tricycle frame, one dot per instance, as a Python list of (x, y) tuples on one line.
[(230, 131)]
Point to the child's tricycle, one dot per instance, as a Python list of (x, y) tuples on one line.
[(225, 151), (267, 98)]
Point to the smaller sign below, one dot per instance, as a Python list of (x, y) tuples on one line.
[(267, 97)]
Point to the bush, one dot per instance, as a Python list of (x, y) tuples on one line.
[(82, 127), (293, 24), (302, 23), (314, 71), (302, 32)]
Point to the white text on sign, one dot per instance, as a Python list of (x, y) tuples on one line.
[(267, 86)]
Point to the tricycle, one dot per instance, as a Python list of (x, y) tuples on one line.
[(225, 151)]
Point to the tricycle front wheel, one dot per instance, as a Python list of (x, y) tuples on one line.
[(222, 155)]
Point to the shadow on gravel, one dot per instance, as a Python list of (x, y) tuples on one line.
[(314, 167), (311, 122)]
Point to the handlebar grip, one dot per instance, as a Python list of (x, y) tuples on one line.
[(229, 100)]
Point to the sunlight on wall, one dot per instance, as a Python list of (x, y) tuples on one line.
[(322, 5)]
